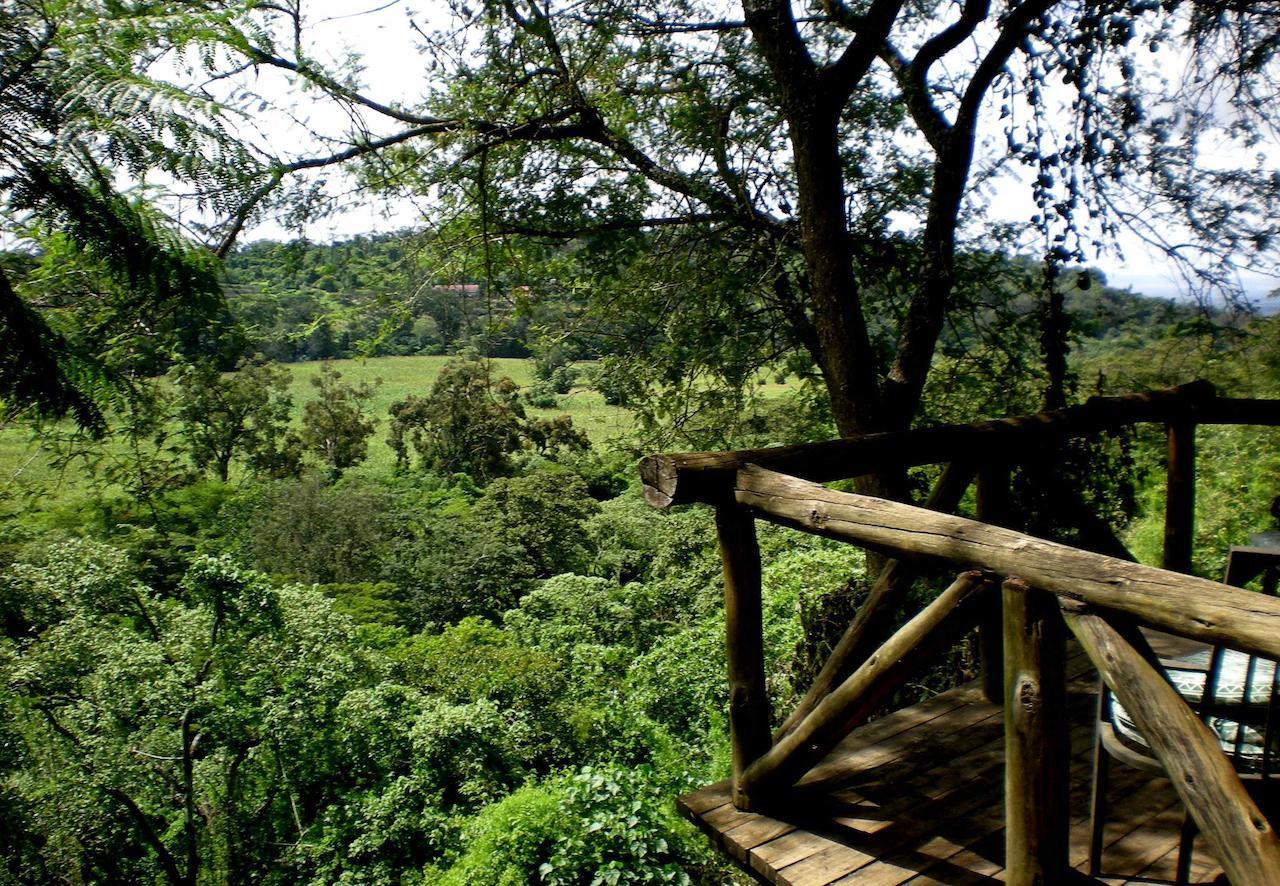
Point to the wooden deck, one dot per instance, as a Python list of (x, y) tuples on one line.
[(917, 797)]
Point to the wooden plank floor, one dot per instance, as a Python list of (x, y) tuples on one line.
[(917, 797)]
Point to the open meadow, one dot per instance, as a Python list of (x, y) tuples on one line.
[(30, 469)]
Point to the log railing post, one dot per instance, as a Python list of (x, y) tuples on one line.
[(1180, 496), (995, 506), (744, 638), (1036, 726)]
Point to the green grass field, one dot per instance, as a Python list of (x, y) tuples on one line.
[(26, 469)]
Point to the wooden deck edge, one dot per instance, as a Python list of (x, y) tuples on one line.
[(694, 811), (794, 850)]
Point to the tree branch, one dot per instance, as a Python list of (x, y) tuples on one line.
[(190, 833), (1012, 33), (648, 27), (167, 861), (933, 125), (593, 126), (547, 128), (913, 76), (972, 14), (916, 343), (333, 87), (847, 72), (774, 28)]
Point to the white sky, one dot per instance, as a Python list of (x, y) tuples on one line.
[(393, 71)]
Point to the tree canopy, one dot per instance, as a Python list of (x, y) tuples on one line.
[(807, 179), (774, 184), (83, 111)]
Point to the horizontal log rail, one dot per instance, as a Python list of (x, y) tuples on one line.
[(707, 477), (1181, 604)]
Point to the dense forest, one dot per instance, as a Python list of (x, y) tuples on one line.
[(236, 650), (376, 296), (327, 562)]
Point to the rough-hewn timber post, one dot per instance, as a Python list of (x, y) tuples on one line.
[(995, 506), (1180, 496), (1037, 754), (744, 638)]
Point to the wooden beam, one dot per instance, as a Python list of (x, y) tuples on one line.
[(744, 642), (1181, 604), (850, 703), (707, 477), (865, 631), (1036, 730), (1238, 411), (1242, 839), (1180, 496)]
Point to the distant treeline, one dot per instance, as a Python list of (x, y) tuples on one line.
[(374, 296), (367, 296), (381, 295)]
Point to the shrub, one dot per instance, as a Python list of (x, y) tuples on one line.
[(539, 395), (554, 368), (603, 825), (462, 753), (468, 424), (367, 602), (316, 533), (679, 682), (618, 386), (545, 514), (508, 841), (567, 611), (475, 659), (455, 565), (624, 537), (555, 437), (810, 596)]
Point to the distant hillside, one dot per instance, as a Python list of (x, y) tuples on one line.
[(369, 296), (377, 296), (1103, 312)]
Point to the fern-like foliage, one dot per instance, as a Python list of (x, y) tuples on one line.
[(81, 112)]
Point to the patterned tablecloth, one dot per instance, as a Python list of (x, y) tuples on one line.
[(1187, 674)]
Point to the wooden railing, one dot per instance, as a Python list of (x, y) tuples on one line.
[(1023, 592)]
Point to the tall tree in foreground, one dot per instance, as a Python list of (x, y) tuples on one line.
[(786, 177), (80, 112)]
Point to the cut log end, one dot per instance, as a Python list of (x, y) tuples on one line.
[(659, 477)]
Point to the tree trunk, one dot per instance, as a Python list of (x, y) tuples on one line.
[(849, 366), (918, 339), (812, 106)]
